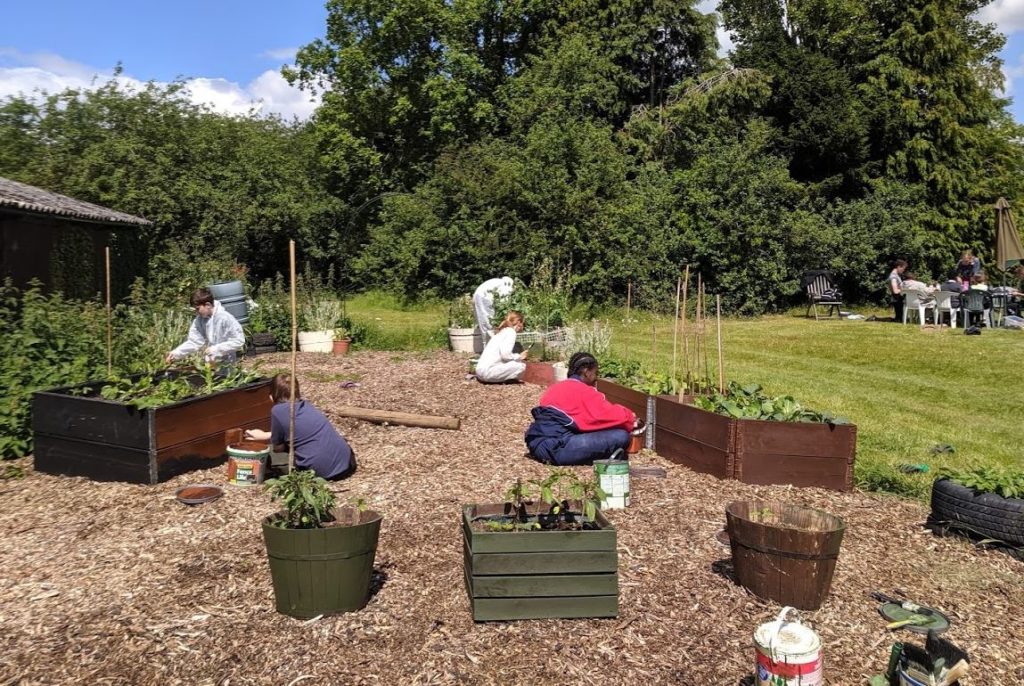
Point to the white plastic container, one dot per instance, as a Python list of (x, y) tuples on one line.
[(316, 341), (466, 340), (788, 654)]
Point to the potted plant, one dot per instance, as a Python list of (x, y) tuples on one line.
[(342, 340), (746, 435), (547, 551), (982, 503), (261, 338), (463, 334), (320, 316), (145, 428), (321, 556)]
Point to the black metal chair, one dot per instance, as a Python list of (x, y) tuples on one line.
[(821, 290)]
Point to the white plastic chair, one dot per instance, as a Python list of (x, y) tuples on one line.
[(919, 302), (944, 305)]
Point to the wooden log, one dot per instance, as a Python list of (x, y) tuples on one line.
[(401, 418)]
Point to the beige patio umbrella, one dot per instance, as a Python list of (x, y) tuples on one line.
[(1008, 248)]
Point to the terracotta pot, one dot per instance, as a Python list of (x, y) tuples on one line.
[(341, 347), (539, 373)]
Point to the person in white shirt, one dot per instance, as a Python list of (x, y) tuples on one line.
[(483, 303), (497, 363), (214, 331)]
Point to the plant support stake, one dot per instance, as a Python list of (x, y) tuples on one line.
[(686, 344), (295, 346), (721, 368), (110, 335), (675, 330)]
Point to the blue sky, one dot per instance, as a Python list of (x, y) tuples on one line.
[(232, 51)]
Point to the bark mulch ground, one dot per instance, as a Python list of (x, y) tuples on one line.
[(110, 583)]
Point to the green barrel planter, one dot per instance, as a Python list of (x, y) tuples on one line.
[(322, 571), (539, 574)]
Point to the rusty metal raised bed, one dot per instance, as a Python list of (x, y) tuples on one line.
[(539, 574), (78, 433)]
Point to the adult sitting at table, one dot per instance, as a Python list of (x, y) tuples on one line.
[(910, 283), (574, 423)]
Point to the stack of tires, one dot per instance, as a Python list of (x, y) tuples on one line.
[(987, 516)]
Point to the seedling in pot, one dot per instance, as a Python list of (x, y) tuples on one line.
[(306, 500)]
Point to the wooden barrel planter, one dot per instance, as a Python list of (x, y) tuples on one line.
[(323, 571), (784, 552), (539, 574), (78, 433)]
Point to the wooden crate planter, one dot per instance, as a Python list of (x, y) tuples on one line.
[(539, 574), (695, 438), (755, 451), (111, 441)]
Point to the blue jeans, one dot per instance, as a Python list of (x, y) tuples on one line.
[(584, 448)]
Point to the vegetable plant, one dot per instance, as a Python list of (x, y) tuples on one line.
[(460, 313), (1007, 483), (163, 388), (749, 402), (556, 490), (306, 501)]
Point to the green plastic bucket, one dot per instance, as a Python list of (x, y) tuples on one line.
[(613, 477)]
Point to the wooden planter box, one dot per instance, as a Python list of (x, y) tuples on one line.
[(539, 373), (110, 441), (755, 451), (623, 395), (687, 435), (539, 574)]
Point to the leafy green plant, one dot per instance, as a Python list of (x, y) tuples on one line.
[(155, 390), (322, 314), (593, 336), (1008, 483), (633, 375), (749, 402), (460, 313), (306, 501)]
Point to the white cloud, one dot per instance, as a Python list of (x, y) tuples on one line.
[(283, 54), (1008, 15), (29, 73)]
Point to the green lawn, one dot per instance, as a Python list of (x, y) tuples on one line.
[(905, 388)]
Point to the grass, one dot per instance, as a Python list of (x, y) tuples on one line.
[(905, 388)]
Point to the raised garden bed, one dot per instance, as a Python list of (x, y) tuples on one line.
[(756, 451), (78, 433), (539, 574)]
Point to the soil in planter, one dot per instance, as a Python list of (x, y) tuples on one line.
[(567, 520)]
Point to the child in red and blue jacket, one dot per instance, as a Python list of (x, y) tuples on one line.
[(574, 423)]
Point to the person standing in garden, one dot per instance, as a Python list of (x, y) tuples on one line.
[(497, 363), (318, 445), (967, 267), (575, 423), (215, 332), (483, 303), (895, 286)]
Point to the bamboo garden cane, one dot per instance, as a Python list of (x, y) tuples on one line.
[(295, 345), (686, 343), (675, 331), (110, 334), (721, 368)]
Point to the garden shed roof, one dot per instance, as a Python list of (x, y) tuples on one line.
[(31, 199)]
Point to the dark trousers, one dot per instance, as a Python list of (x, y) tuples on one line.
[(585, 447), (898, 302)]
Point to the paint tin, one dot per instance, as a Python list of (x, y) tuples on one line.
[(247, 463), (613, 477), (788, 654)]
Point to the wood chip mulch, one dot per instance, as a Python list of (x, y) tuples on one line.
[(111, 583)]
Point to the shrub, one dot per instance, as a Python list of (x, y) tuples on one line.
[(50, 341)]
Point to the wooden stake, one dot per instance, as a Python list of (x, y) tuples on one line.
[(686, 343), (400, 418), (629, 300), (721, 368), (704, 333), (675, 331), (698, 337), (110, 334), (295, 345), (654, 341)]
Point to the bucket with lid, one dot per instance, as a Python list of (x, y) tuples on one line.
[(788, 653), (247, 463), (613, 477)]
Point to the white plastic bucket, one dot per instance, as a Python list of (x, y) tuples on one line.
[(788, 654), (316, 341), (613, 477), (247, 463)]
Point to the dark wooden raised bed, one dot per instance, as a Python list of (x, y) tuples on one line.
[(687, 435), (539, 574), (623, 395), (110, 441), (755, 451)]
